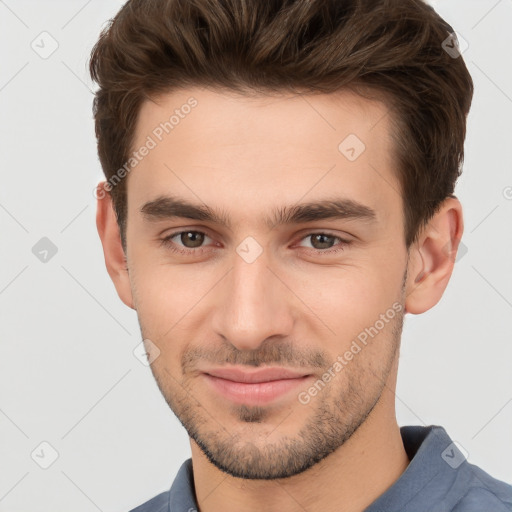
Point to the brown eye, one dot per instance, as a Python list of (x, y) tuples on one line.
[(183, 241), (322, 241), (192, 239)]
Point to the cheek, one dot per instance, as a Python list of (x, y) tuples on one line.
[(348, 299), (166, 295)]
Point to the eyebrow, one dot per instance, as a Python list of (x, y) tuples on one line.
[(169, 207)]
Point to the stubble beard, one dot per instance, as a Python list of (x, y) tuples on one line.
[(335, 415)]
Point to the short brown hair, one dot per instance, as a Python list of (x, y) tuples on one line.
[(391, 49)]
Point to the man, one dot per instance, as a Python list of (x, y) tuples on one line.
[(279, 195)]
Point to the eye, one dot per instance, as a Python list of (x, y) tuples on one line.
[(189, 240), (324, 242)]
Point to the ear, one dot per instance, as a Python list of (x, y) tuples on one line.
[(432, 257), (115, 259)]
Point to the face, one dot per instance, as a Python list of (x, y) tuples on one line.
[(260, 237)]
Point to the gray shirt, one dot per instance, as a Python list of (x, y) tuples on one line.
[(438, 479)]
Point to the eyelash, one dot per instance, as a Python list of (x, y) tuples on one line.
[(166, 242)]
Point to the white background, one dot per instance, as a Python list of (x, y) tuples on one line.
[(67, 372)]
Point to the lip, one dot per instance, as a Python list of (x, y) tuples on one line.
[(255, 376), (255, 387)]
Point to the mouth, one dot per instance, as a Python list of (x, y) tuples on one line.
[(256, 387)]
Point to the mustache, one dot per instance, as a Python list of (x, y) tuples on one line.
[(270, 352)]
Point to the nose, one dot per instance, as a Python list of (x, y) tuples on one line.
[(253, 304)]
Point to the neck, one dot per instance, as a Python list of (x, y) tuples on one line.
[(349, 479)]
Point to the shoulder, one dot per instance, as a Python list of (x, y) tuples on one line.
[(159, 503), (479, 499), (179, 497), (484, 493)]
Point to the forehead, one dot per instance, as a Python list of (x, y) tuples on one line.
[(225, 116), (250, 152)]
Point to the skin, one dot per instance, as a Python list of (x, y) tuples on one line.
[(293, 306)]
